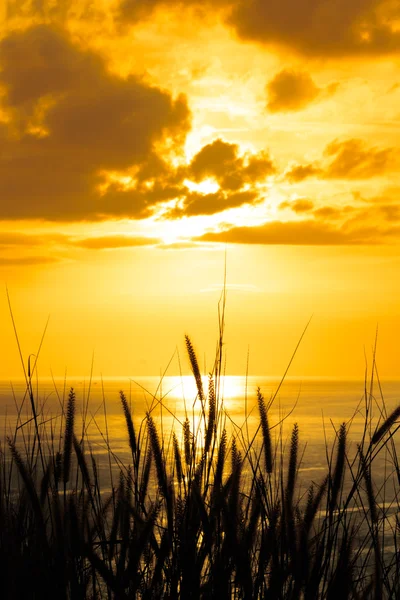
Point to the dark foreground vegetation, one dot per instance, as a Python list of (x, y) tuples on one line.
[(202, 514)]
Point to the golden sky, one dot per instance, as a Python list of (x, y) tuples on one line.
[(142, 141)]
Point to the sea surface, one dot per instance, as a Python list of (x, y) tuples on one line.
[(317, 405)]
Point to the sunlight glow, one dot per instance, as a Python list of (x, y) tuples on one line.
[(208, 186), (150, 146), (125, 181), (184, 388)]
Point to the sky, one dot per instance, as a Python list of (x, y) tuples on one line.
[(146, 146)]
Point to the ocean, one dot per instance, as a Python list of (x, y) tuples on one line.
[(317, 405)]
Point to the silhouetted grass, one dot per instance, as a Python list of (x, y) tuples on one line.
[(212, 516)]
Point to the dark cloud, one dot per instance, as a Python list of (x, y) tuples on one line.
[(348, 159), (390, 212), (107, 242), (195, 203), (324, 226), (312, 27), (378, 210), (299, 206), (320, 27), (50, 10), (220, 160), (329, 212), (257, 167), (354, 159), (138, 202), (72, 123), (290, 91), (300, 172), (237, 176), (132, 11), (71, 120), (296, 233)]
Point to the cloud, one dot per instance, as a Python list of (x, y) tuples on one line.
[(290, 91), (14, 238), (257, 167), (378, 210), (354, 159), (300, 172), (182, 246), (80, 143), (236, 175), (133, 11), (341, 213), (70, 122), (330, 212), (299, 206), (366, 222), (25, 261), (115, 241), (390, 212), (320, 28), (221, 160), (348, 159), (295, 233), (314, 28), (50, 11), (195, 204)]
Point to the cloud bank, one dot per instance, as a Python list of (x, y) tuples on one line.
[(70, 121)]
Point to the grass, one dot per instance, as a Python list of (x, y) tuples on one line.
[(206, 513)]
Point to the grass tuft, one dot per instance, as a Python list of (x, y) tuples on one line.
[(200, 513)]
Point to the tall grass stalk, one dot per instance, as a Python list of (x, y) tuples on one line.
[(210, 514)]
